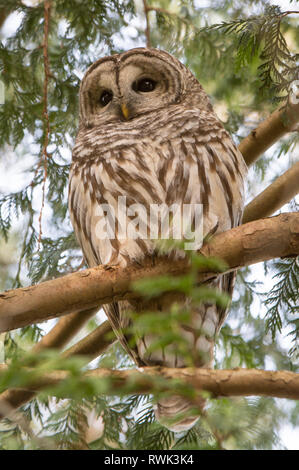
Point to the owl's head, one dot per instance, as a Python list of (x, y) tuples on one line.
[(124, 86)]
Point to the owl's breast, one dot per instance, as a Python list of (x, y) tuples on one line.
[(140, 177)]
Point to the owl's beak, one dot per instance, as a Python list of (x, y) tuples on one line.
[(125, 111)]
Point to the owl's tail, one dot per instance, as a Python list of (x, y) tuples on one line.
[(171, 412)]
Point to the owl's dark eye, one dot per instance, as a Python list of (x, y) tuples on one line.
[(105, 97), (144, 85)]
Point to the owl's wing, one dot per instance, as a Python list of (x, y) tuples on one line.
[(80, 209), (84, 220), (221, 173)]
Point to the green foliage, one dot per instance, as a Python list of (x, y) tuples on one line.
[(283, 301), (262, 35), (244, 54)]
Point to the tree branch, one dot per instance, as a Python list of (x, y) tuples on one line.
[(279, 123), (67, 327), (284, 188), (93, 344), (242, 246), (219, 383)]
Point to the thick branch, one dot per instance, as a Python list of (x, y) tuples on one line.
[(281, 191), (219, 383), (94, 344), (242, 246), (64, 330), (278, 124)]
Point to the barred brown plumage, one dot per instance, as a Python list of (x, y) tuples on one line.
[(144, 148)]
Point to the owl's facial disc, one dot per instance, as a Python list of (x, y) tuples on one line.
[(121, 88)]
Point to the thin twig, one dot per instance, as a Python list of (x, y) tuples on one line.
[(47, 6), (17, 281), (171, 14), (289, 13), (147, 28)]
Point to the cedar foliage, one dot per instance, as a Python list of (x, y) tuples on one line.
[(251, 46)]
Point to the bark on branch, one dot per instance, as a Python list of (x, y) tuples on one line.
[(219, 383), (278, 124), (281, 191), (250, 243)]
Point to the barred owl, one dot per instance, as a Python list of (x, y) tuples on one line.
[(148, 136)]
